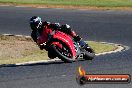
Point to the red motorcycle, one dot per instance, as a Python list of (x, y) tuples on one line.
[(65, 48)]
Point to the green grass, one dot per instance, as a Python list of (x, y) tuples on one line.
[(100, 3), (101, 47)]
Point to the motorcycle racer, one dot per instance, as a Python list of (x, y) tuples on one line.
[(41, 32)]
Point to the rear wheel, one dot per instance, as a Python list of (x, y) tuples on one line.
[(64, 54), (89, 54)]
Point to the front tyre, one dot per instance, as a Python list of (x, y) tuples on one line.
[(64, 54)]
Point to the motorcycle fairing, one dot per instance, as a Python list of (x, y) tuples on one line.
[(67, 40)]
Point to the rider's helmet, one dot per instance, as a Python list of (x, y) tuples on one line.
[(35, 23)]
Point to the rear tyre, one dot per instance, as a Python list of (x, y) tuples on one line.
[(89, 54), (65, 56)]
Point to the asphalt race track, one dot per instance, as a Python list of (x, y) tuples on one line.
[(107, 26)]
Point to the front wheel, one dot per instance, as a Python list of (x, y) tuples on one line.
[(64, 54)]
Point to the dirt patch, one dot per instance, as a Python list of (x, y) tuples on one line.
[(16, 47)]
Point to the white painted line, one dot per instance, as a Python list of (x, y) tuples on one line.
[(19, 35), (8, 34), (28, 36), (127, 47), (5, 5), (119, 49), (41, 61)]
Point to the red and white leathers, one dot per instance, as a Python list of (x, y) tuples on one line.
[(43, 37)]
